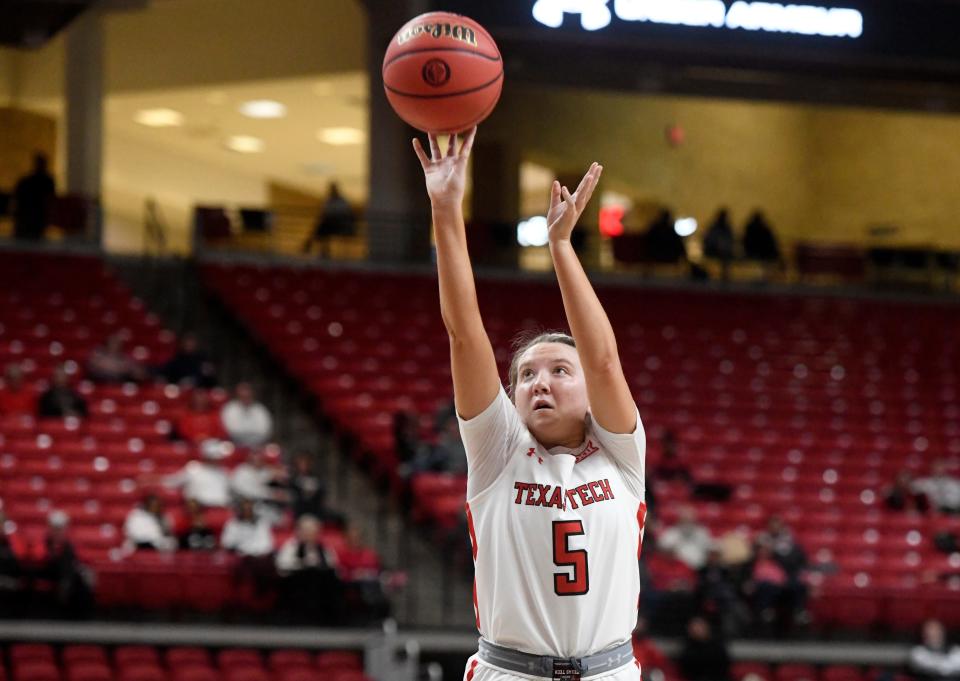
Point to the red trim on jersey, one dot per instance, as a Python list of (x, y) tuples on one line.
[(641, 519), (473, 546), (473, 666)]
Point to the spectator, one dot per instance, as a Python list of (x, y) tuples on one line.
[(109, 363), (247, 533), (688, 540), (205, 481), (767, 585), (147, 528), (719, 243), (784, 549), (901, 495), (15, 398), (60, 400), (58, 563), (406, 440), (759, 243), (704, 656), (941, 489), (308, 494), (12, 552), (201, 422), (310, 586), (717, 594), (247, 422), (336, 219), (33, 199), (190, 365), (654, 665), (934, 659), (663, 243), (254, 479), (198, 536), (670, 466)]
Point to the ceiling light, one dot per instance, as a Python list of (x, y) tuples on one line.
[(685, 226), (341, 136), (263, 108), (159, 118), (244, 144)]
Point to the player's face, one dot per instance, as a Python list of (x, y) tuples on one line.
[(551, 395)]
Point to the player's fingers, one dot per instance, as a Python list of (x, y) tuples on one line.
[(592, 179), (586, 176), (554, 194), (421, 154), (565, 193), (435, 152), (452, 145), (467, 144)]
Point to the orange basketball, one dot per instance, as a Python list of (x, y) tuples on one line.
[(442, 73)]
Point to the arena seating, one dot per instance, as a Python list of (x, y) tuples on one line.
[(42, 662), (55, 309), (806, 406)]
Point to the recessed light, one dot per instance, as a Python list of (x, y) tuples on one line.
[(159, 118), (263, 108), (341, 136), (244, 144)]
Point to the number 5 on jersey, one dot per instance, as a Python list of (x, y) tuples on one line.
[(564, 556)]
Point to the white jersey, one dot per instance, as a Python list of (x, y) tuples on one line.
[(555, 534)]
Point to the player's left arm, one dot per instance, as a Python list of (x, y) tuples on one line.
[(611, 404)]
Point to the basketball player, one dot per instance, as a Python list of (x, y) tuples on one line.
[(555, 484)]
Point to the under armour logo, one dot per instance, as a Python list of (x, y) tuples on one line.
[(594, 14), (532, 451)]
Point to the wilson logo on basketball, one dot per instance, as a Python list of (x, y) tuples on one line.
[(435, 72), (455, 31)]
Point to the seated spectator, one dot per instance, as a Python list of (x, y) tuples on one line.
[(308, 494), (447, 455), (247, 533), (254, 479), (109, 363), (934, 659), (759, 242), (190, 365), (406, 437), (310, 587), (941, 489), (206, 481), (16, 399), (247, 422), (664, 245), (704, 656), (901, 495), (147, 528), (670, 466), (201, 421), (654, 665), (198, 536), (688, 540), (59, 564), (60, 400), (12, 552), (783, 548), (718, 594), (719, 242), (767, 585)]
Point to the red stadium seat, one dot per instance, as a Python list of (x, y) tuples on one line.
[(89, 671), (795, 672), (841, 673), (84, 653), (339, 659), (239, 657), (129, 656), (193, 673), (279, 660), (246, 674), (35, 670), (741, 670), (141, 672), (31, 652), (187, 656)]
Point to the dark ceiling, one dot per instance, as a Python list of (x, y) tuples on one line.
[(29, 24)]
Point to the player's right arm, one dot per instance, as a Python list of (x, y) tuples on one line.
[(476, 382)]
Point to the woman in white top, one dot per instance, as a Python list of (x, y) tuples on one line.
[(555, 483)]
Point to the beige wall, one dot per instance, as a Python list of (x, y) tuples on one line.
[(818, 173), (178, 43), (24, 134)]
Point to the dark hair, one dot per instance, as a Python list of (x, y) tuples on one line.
[(527, 340)]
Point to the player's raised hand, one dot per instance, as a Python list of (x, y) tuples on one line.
[(446, 174), (565, 208)]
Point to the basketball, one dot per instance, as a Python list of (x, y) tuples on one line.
[(442, 73)]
